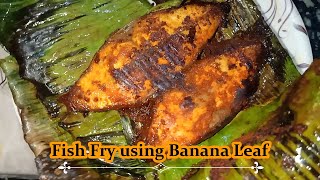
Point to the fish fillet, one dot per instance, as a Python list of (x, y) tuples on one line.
[(144, 58), (216, 88)]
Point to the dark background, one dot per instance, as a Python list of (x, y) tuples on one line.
[(310, 13)]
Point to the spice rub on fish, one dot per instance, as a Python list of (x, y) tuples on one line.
[(216, 89), (145, 57)]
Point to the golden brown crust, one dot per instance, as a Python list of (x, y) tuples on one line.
[(144, 58), (215, 90)]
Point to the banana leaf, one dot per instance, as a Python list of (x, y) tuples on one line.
[(39, 129), (54, 41)]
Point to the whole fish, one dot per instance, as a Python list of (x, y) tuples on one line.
[(215, 89), (144, 58)]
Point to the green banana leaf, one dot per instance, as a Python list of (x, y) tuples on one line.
[(54, 41), (39, 128)]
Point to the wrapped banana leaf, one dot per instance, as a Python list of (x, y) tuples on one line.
[(38, 127), (54, 42)]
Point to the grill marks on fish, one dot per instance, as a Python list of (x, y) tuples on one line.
[(146, 63)]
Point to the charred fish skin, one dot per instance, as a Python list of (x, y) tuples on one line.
[(144, 58), (216, 89)]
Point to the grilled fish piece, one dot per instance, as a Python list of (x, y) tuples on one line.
[(144, 58), (216, 88)]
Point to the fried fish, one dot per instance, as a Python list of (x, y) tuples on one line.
[(216, 88), (144, 58)]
